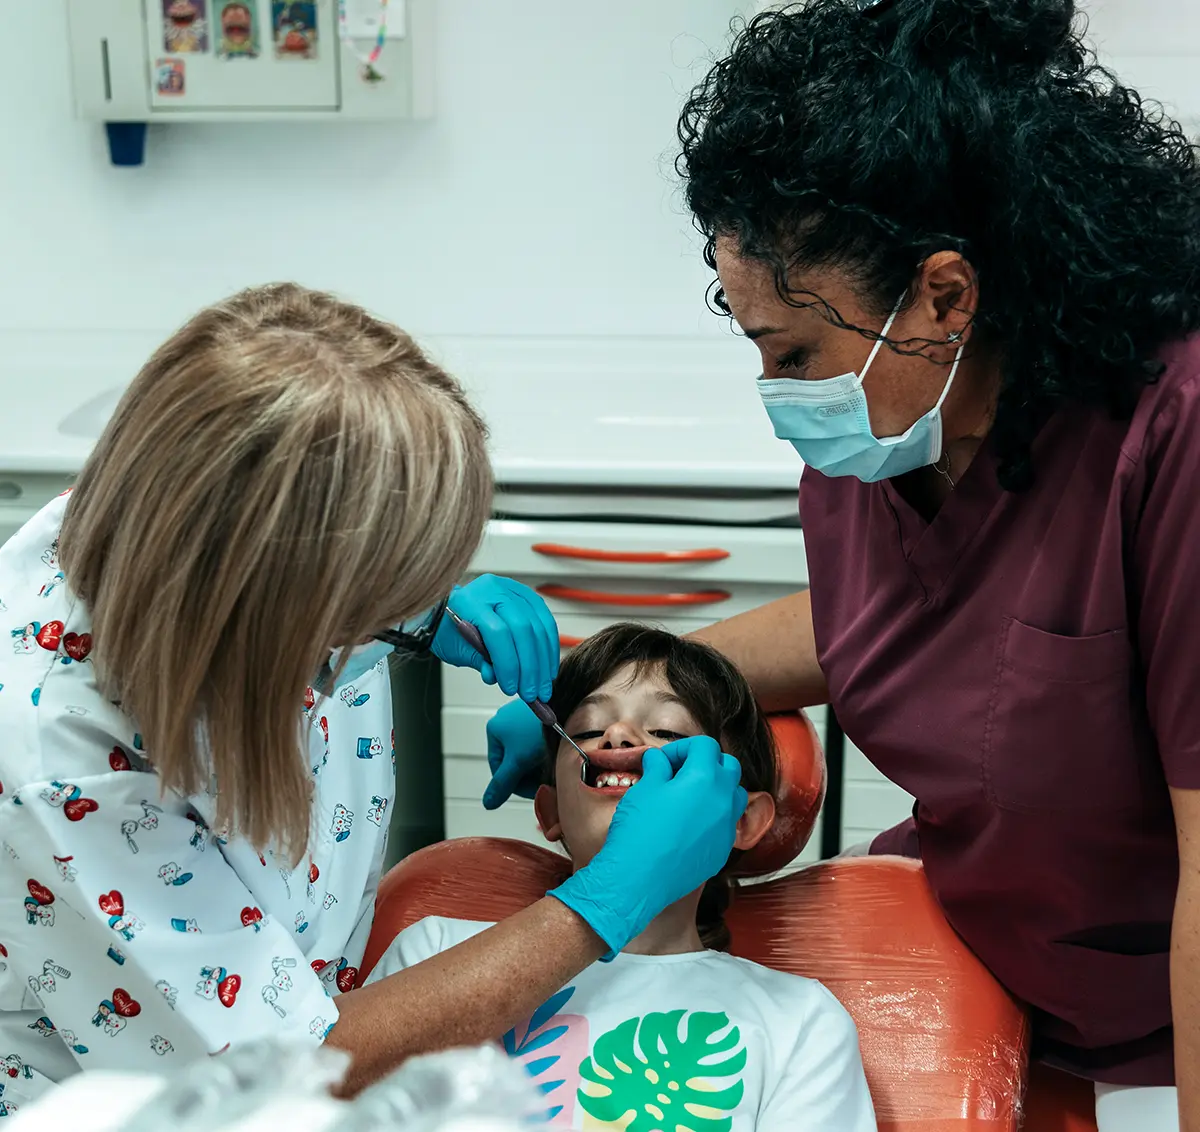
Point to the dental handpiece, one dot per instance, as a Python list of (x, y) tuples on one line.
[(540, 708)]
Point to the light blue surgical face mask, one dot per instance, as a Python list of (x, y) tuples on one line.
[(359, 660), (828, 423)]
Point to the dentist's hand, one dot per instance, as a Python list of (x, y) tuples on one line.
[(669, 835), (518, 631), (516, 754)]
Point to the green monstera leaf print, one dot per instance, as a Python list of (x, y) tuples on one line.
[(648, 1077)]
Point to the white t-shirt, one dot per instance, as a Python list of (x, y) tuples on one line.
[(131, 932), (701, 1041)]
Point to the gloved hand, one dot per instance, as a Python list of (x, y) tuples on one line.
[(669, 835), (518, 630), (516, 752)]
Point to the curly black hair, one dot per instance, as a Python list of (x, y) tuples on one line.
[(833, 137)]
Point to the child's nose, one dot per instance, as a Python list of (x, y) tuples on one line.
[(623, 734)]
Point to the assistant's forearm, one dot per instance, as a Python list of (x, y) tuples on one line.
[(467, 995), (775, 648), (1185, 1002)]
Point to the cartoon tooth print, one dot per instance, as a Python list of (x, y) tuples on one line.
[(13, 1067), (189, 925), (329, 901), (113, 1014), (39, 904), (172, 875), (217, 983), (25, 638), (150, 812), (270, 995), (72, 1042), (301, 923), (336, 974), (343, 819), (281, 965), (320, 1028), (50, 555), (65, 869), (370, 748), (124, 923), (161, 1046), (44, 983), (378, 809), (352, 698), (168, 992)]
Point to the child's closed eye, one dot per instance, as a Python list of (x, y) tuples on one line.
[(669, 736), (583, 736)]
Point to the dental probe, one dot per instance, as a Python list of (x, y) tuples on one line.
[(542, 710)]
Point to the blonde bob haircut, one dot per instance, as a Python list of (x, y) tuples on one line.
[(286, 474)]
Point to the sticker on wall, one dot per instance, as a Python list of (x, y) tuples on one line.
[(169, 77), (294, 28), (185, 26), (238, 31)]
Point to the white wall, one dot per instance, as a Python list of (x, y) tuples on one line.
[(537, 202)]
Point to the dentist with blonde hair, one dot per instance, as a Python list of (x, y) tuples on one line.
[(195, 774)]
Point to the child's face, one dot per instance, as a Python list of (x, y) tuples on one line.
[(614, 725)]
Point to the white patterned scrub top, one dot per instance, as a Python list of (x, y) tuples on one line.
[(130, 929)]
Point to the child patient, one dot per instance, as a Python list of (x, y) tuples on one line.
[(673, 1034)]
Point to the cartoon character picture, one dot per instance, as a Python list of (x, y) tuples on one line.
[(170, 78), (301, 923), (199, 838), (217, 983), (69, 798), (161, 1046), (172, 875), (49, 587), (188, 926), (294, 29), (352, 697), (72, 1042), (44, 983), (343, 819), (124, 923), (44, 1027), (238, 36), (113, 1014), (150, 812), (378, 809), (39, 904), (25, 638), (329, 901), (50, 555), (12, 1066), (281, 965), (185, 26), (128, 828), (370, 748), (168, 992), (117, 956), (65, 869)]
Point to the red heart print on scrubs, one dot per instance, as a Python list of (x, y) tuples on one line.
[(251, 916), (77, 645), (119, 760), (50, 635), (313, 873), (79, 808), (310, 699), (346, 978), (125, 1004), (227, 989), (112, 903), (39, 892)]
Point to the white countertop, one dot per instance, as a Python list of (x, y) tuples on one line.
[(597, 412)]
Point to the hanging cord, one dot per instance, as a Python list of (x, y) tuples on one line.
[(370, 73)]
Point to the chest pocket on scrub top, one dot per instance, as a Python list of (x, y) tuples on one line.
[(1059, 732)]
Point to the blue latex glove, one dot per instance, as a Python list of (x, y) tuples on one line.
[(669, 835), (516, 754), (518, 630)]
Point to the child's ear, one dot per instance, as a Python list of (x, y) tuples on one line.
[(753, 825), (545, 806)]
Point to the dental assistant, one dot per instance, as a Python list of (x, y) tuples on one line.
[(197, 763), (971, 264)]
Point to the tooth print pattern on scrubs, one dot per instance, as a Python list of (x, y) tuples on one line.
[(131, 932)]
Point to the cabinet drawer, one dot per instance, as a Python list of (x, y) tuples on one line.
[(596, 552), (874, 806), (23, 495), (468, 818)]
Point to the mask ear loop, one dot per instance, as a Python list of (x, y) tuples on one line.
[(882, 336)]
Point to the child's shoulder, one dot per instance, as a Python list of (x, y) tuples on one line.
[(791, 992), (445, 931)]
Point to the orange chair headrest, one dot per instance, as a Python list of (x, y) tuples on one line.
[(798, 799)]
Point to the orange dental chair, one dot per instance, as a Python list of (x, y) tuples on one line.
[(944, 1046)]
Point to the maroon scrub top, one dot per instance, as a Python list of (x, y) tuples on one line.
[(1027, 666)]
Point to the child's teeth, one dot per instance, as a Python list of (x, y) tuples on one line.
[(614, 778)]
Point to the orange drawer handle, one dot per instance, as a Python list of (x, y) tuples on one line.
[(565, 642), (598, 597), (645, 557)]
